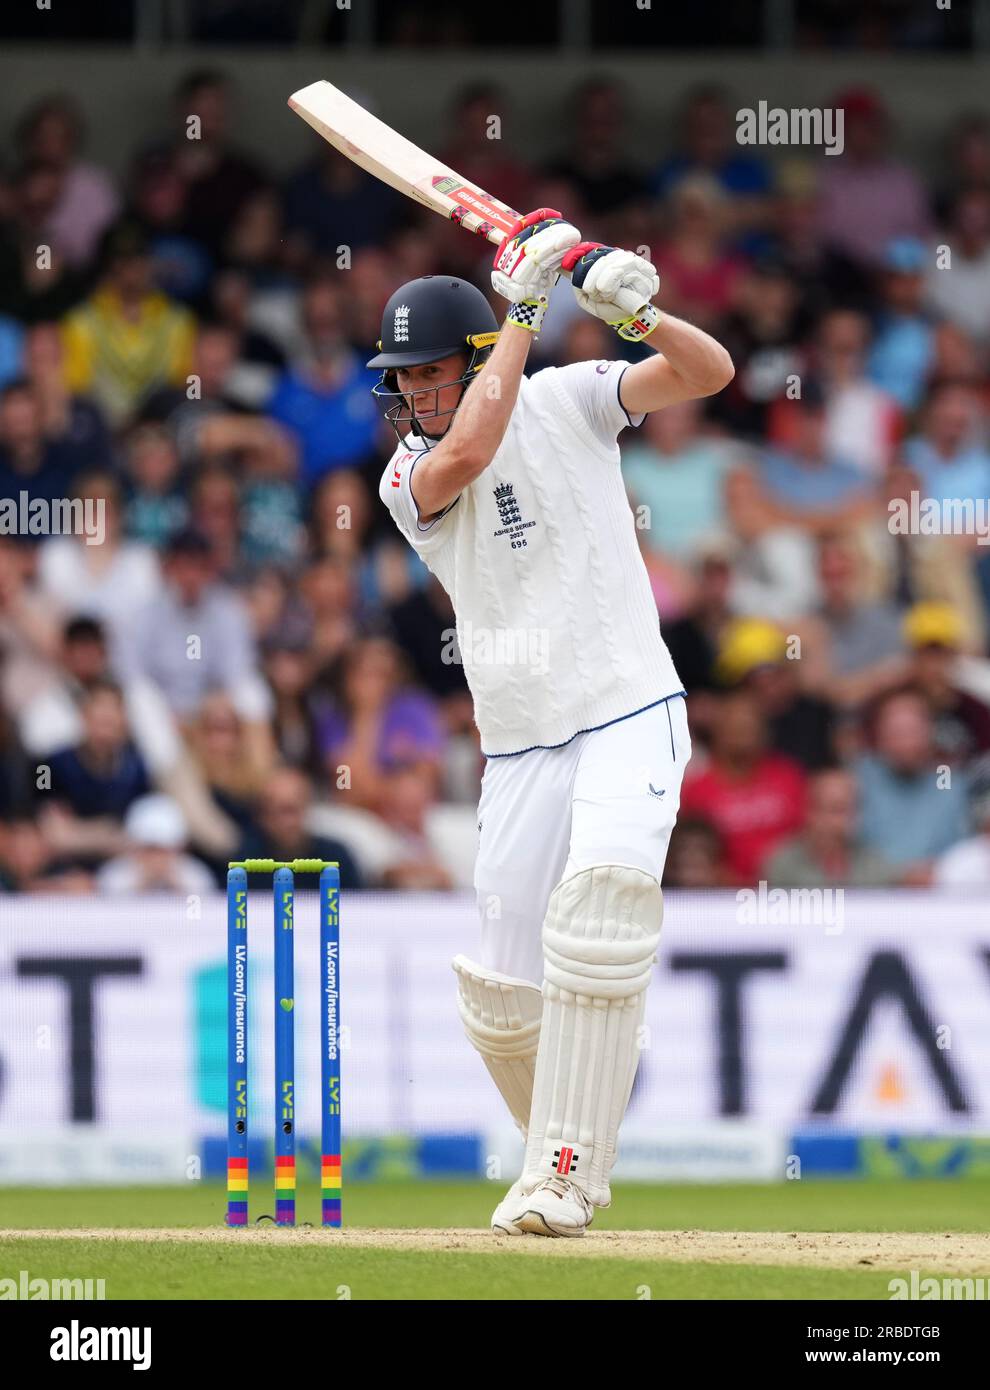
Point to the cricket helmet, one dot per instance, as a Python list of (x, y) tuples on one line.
[(432, 317), (424, 321)]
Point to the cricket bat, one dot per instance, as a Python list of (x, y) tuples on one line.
[(395, 160)]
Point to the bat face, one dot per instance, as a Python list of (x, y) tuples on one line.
[(395, 160)]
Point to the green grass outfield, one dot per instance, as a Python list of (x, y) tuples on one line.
[(269, 1264)]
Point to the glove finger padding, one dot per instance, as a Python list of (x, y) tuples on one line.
[(611, 284), (527, 264)]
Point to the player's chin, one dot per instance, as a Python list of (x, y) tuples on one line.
[(434, 429)]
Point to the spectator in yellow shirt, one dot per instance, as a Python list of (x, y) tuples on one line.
[(127, 338)]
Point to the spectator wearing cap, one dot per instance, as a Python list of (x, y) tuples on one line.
[(828, 852), (128, 337), (967, 864), (753, 656), (868, 198), (912, 564), (900, 360), (755, 798), (195, 607), (910, 810), (961, 723), (156, 860)]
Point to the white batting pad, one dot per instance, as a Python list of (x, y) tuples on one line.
[(600, 937), (501, 1017)]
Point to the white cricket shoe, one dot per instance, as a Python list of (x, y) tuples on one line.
[(502, 1222), (555, 1207)]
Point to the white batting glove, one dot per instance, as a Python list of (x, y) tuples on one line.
[(615, 286), (527, 264)]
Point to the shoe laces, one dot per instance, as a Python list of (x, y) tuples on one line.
[(563, 1187)]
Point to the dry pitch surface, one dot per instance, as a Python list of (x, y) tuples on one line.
[(948, 1254)]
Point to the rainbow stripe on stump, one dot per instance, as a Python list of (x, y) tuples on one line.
[(284, 1009), (237, 1191), (331, 1189), (285, 1190)]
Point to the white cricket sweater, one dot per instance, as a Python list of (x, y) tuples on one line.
[(556, 621)]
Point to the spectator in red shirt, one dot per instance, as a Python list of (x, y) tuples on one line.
[(701, 275), (753, 798)]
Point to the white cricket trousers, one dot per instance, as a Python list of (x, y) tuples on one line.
[(609, 796)]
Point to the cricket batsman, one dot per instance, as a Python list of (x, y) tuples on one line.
[(509, 487)]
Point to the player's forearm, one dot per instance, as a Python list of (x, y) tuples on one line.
[(696, 356), (688, 364), (480, 423), (478, 428)]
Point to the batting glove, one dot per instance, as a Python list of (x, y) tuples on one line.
[(527, 264), (615, 286)]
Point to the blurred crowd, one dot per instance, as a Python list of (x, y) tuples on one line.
[(252, 661)]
